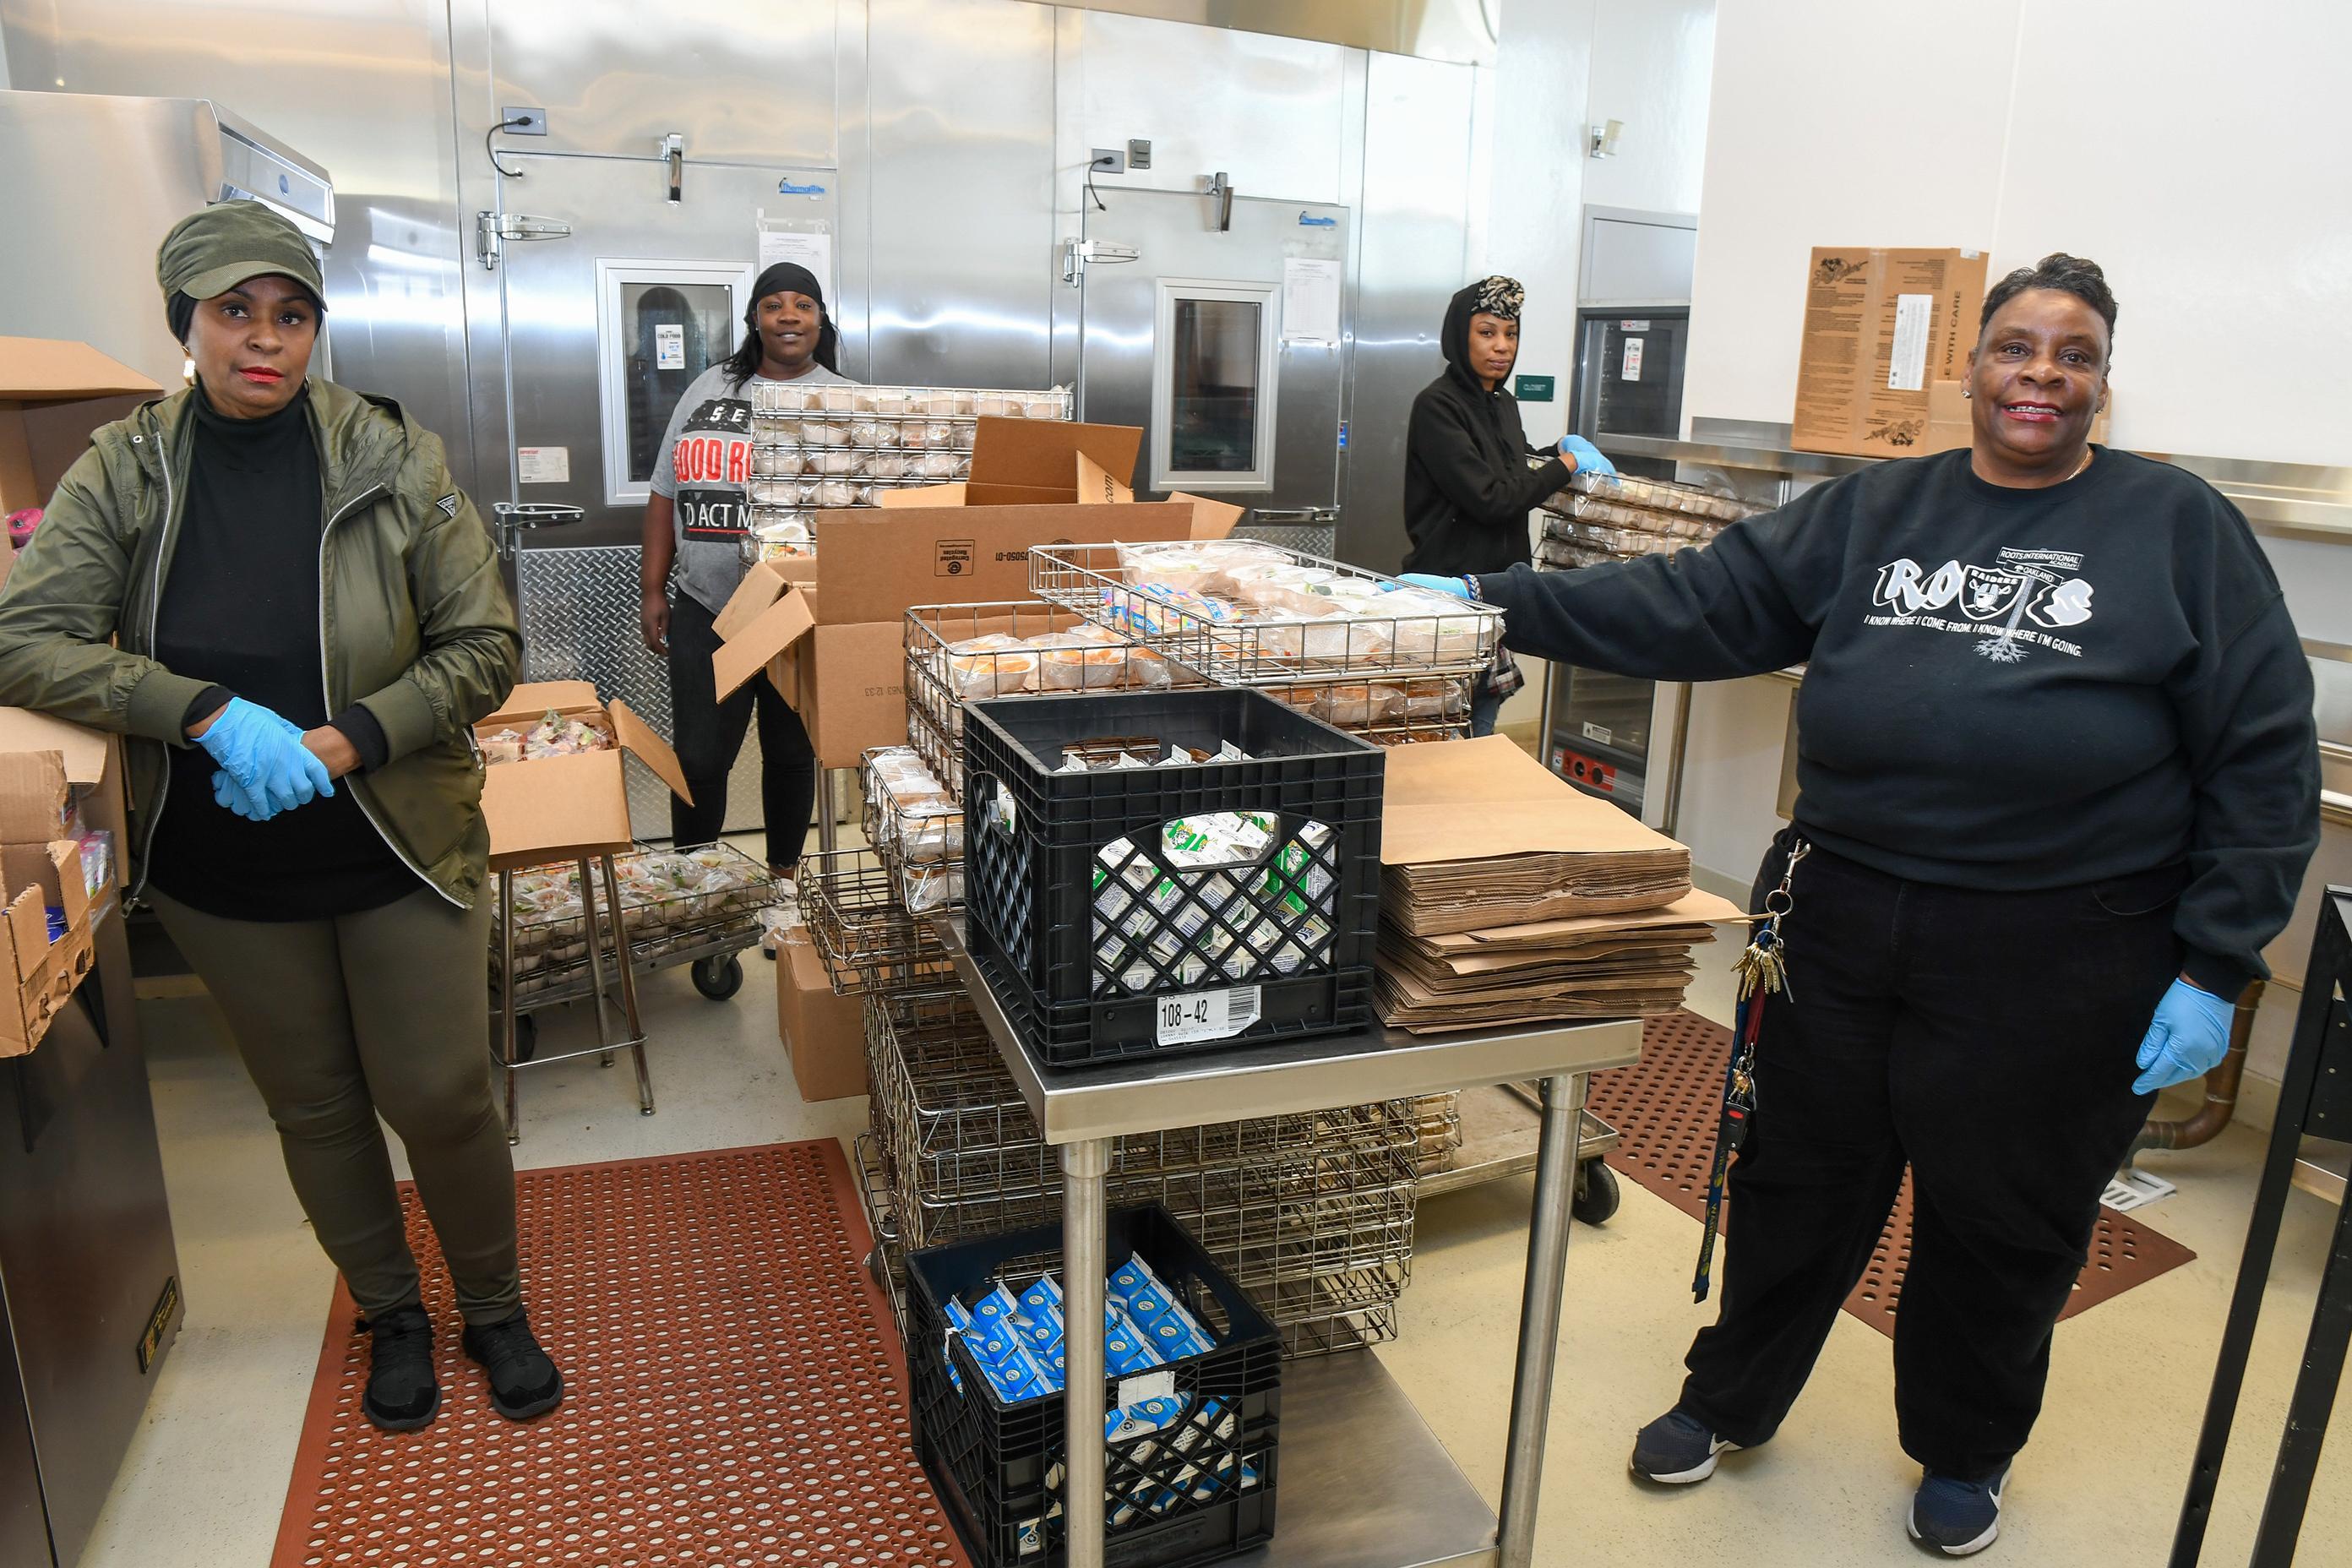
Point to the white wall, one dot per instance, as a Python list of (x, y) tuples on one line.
[(2203, 159), (1561, 66)]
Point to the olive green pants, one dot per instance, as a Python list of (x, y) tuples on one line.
[(385, 1012)]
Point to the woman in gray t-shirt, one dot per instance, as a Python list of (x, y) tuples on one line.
[(694, 521)]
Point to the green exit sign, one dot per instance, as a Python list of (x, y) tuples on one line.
[(1532, 388)]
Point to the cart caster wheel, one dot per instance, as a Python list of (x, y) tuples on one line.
[(718, 978), (526, 1037), (1596, 1192)]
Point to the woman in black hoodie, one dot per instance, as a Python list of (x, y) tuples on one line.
[(1468, 486)]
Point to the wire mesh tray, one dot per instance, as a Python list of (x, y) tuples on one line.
[(850, 400), (676, 906), (1260, 631), (868, 942), (1584, 490), (887, 1262), (1284, 1201)]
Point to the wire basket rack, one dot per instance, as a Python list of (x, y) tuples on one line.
[(1438, 1121), (1264, 634), (961, 653), (887, 1262), (915, 823), (868, 940), (1313, 1212), (850, 400), (677, 905)]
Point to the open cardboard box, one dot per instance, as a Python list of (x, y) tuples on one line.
[(833, 640), (554, 809), (40, 869), (1881, 326), (53, 394)]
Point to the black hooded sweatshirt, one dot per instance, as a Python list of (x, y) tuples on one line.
[(1467, 486)]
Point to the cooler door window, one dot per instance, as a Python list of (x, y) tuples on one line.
[(1633, 375), (658, 326), (1214, 386)]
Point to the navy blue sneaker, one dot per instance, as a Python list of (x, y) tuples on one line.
[(1957, 1518), (1677, 1449)]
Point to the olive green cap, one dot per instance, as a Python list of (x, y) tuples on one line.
[(211, 252)]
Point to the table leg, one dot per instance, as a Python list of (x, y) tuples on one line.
[(628, 989), (2307, 1409), (591, 895), (1084, 1271), (1563, 1106)]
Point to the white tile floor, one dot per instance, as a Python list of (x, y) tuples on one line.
[(206, 1479)]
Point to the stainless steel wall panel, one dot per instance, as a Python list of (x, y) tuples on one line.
[(1417, 158), (748, 81), (580, 623), (1266, 110), (363, 86), (961, 128)]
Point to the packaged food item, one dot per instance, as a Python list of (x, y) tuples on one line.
[(931, 464), (837, 399), (994, 664), (825, 432), (1357, 706), (1155, 610), (886, 400), (835, 492), (1436, 698), (995, 406), (888, 464)]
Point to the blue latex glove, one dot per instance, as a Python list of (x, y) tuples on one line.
[(2188, 1038), (1583, 456), (1454, 585), (264, 756), (230, 797)]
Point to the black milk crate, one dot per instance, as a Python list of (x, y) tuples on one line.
[(1101, 939), (1000, 1468)]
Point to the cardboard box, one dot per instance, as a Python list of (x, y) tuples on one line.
[(1947, 418), (52, 396), (825, 1035), (40, 869), (1880, 325), (566, 808), (93, 772), (836, 646)]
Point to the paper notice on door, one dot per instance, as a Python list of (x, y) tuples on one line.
[(669, 346), (1907, 366), (1311, 300), (543, 465), (1631, 368), (813, 251)]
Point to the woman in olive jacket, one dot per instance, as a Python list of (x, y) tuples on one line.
[(271, 586)]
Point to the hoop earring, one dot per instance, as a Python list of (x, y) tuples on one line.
[(188, 367)]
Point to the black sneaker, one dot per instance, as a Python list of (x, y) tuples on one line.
[(523, 1381), (1676, 1449), (1957, 1517), (402, 1395)]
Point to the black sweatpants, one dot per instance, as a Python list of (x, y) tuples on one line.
[(710, 732), (1987, 1039)]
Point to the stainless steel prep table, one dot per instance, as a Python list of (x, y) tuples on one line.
[(1365, 1483)]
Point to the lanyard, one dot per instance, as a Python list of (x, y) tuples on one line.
[(1761, 970)]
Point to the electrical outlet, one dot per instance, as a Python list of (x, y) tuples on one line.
[(1108, 160), (1139, 153), (523, 122)]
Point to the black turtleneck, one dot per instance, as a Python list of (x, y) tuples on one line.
[(240, 609)]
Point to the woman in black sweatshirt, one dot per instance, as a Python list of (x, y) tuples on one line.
[(1468, 486), (2058, 772)]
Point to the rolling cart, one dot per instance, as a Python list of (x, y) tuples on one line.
[(554, 948), (1366, 1484)]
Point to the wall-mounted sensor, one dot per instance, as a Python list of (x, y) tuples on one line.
[(1604, 138)]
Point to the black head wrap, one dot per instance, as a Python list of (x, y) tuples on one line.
[(785, 278)]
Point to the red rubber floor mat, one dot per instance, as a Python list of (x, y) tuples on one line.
[(732, 1391), (1665, 1110)]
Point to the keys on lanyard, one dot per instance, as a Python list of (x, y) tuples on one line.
[(1761, 970)]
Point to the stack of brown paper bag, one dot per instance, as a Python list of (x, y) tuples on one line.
[(1507, 896)]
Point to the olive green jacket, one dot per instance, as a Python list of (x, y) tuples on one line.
[(413, 618)]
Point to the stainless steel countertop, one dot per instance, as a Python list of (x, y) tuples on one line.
[(1154, 1095), (2290, 499)]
